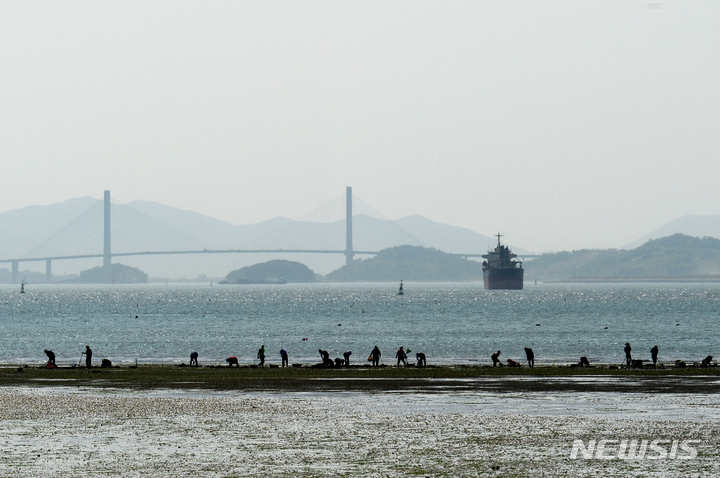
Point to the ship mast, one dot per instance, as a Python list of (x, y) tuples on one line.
[(498, 236)]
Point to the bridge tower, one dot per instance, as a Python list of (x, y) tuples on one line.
[(107, 254), (348, 227)]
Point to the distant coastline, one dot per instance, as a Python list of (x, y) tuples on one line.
[(251, 282)]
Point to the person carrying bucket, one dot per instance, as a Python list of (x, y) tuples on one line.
[(375, 356)]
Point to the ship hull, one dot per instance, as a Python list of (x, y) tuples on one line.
[(502, 278)]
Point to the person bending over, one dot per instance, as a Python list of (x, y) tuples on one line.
[(495, 358), (326, 360), (51, 359)]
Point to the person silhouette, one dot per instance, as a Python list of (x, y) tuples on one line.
[(375, 355), (628, 357), (88, 356), (654, 354), (401, 356), (261, 355), (326, 360), (51, 358), (495, 358), (530, 357)]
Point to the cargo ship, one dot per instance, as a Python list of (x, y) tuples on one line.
[(500, 271)]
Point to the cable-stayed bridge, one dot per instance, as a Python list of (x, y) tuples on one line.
[(107, 231)]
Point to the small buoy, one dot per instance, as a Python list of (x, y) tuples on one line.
[(305, 339), (677, 324), (605, 327), (538, 324), (339, 325), (136, 316)]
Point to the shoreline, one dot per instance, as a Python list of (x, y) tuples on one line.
[(431, 379)]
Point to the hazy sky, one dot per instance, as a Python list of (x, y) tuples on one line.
[(564, 125)]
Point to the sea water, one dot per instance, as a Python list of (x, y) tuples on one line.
[(450, 323)]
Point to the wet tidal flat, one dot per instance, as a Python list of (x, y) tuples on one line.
[(54, 425), (373, 379)]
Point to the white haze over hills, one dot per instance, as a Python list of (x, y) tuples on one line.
[(690, 225), (563, 124), (25, 228), (75, 227)]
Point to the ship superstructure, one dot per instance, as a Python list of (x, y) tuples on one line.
[(500, 270)]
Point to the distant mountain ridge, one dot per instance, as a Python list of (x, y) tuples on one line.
[(216, 232), (75, 227), (25, 228), (676, 256)]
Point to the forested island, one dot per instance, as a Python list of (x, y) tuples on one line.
[(118, 274), (277, 271), (413, 263)]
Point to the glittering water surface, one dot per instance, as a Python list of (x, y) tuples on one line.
[(450, 323)]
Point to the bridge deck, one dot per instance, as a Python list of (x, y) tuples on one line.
[(205, 251)]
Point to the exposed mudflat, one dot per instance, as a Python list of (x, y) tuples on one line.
[(79, 431), (366, 379)]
